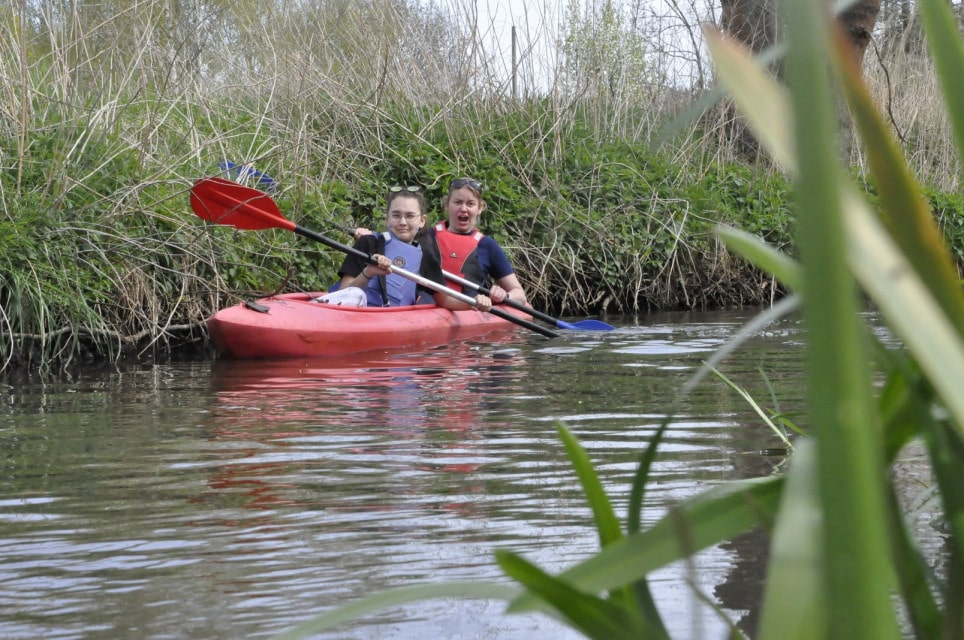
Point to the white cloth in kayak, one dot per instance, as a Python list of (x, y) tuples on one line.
[(347, 297)]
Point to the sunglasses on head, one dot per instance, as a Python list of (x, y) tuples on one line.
[(396, 189), (474, 185)]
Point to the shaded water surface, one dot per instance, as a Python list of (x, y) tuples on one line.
[(234, 499)]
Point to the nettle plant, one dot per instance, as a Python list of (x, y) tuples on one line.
[(842, 559)]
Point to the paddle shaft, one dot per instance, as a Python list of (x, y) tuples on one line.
[(508, 301), (584, 325), (425, 282)]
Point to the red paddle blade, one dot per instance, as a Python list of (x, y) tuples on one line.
[(225, 202)]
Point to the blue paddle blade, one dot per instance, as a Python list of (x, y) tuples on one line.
[(246, 173), (585, 325)]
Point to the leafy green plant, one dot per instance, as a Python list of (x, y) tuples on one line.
[(777, 423)]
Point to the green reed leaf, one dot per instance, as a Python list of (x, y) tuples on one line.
[(759, 98), (636, 598), (595, 617), (640, 592), (607, 524), (793, 606), (395, 598), (718, 514), (743, 393), (783, 267), (946, 447), (906, 302), (904, 211), (840, 392), (947, 48), (907, 402), (913, 572)]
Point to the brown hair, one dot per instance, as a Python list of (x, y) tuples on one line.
[(407, 192), (471, 184), (474, 185)]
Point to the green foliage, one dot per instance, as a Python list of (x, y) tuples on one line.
[(948, 210), (756, 203)]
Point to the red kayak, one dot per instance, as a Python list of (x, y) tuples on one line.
[(292, 325)]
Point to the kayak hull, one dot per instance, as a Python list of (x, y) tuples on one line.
[(292, 325)]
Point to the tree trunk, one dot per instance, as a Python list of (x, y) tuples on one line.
[(755, 23), (752, 22), (858, 23)]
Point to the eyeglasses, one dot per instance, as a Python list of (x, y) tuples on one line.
[(398, 217), (396, 189), (458, 183)]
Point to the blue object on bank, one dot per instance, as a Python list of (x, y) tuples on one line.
[(245, 173)]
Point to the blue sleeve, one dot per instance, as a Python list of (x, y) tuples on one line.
[(493, 260)]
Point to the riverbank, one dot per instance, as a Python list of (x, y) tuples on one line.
[(606, 197), (640, 236)]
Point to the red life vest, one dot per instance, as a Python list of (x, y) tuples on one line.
[(455, 249)]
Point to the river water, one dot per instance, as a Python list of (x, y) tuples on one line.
[(228, 499)]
